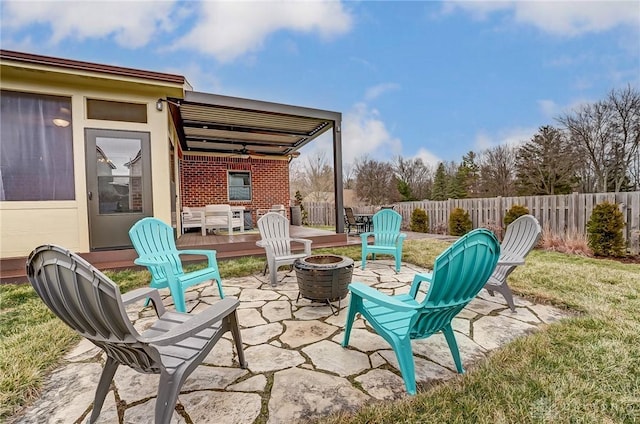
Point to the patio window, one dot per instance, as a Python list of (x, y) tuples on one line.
[(36, 147), (239, 185)]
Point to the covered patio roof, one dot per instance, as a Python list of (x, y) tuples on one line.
[(243, 127), (230, 125)]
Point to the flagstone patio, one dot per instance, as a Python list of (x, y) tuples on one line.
[(297, 368)]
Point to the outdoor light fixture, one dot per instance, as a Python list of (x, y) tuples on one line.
[(159, 105)]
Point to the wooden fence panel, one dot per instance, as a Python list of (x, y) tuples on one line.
[(561, 214)]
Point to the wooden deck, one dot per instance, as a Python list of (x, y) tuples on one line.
[(12, 270)]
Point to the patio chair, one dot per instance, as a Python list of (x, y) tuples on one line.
[(521, 236), (221, 217), (190, 219), (458, 275), (156, 248), (275, 239), (91, 304), (387, 238), (351, 221)]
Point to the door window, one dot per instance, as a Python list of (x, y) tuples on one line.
[(119, 171)]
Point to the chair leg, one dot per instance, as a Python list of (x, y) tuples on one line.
[(168, 389), (218, 281), (508, 296), (404, 354), (354, 304), (364, 258), (237, 339), (398, 262), (178, 299), (106, 378), (273, 275), (453, 347)]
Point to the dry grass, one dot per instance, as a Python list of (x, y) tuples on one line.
[(572, 242)]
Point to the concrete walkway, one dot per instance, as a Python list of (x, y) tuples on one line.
[(297, 368)]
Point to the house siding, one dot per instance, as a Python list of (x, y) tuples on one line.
[(204, 181)]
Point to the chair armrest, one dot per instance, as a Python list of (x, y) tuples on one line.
[(210, 254), (197, 323), (381, 299), (401, 238), (510, 259), (417, 282), (145, 293), (267, 247), (306, 242)]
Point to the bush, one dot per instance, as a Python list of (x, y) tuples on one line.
[(515, 212), (419, 221), (604, 230), (459, 222)]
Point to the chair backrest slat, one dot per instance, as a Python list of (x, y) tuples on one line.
[(152, 237), (521, 236), (459, 273), (274, 230), (386, 227), (88, 302)]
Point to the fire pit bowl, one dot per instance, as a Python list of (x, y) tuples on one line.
[(324, 277)]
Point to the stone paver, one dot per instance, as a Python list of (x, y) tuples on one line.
[(297, 368)]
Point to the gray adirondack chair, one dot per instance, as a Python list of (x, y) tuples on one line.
[(90, 303), (275, 239), (521, 236)]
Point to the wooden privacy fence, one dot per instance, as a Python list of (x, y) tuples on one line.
[(561, 214)]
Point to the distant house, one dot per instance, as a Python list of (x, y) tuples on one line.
[(88, 149)]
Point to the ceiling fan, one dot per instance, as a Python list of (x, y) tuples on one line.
[(245, 153)]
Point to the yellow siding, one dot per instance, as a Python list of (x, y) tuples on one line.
[(25, 225)]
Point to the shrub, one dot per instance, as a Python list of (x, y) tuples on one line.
[(515, 212), (604, 230), (419, 221), (459, 222)]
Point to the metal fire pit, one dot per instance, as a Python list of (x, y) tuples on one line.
[(324, 278)]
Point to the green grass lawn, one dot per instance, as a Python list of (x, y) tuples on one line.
[(582, 369)]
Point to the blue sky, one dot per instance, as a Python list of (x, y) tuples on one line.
[(428, 79)]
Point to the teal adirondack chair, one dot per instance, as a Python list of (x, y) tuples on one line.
[(156, 248), (387, 237), (459, 273)]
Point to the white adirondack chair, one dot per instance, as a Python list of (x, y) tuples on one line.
[(521, 236), (275, 239)]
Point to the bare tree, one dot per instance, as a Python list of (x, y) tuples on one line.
[(414, 177), (625, 105), (313, 177), (348, 176), (546, 164), (375, 181), (608, 134), (497, 177)]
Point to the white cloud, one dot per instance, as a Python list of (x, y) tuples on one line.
[(131, 23), (363, 133), (428, 158), (228, 30), (509, 136), (568, 18), (548, 108), (378, 90)]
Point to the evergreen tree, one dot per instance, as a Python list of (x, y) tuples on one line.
[(440, 184)]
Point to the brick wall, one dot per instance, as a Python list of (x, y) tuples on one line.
[(203, 181)]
